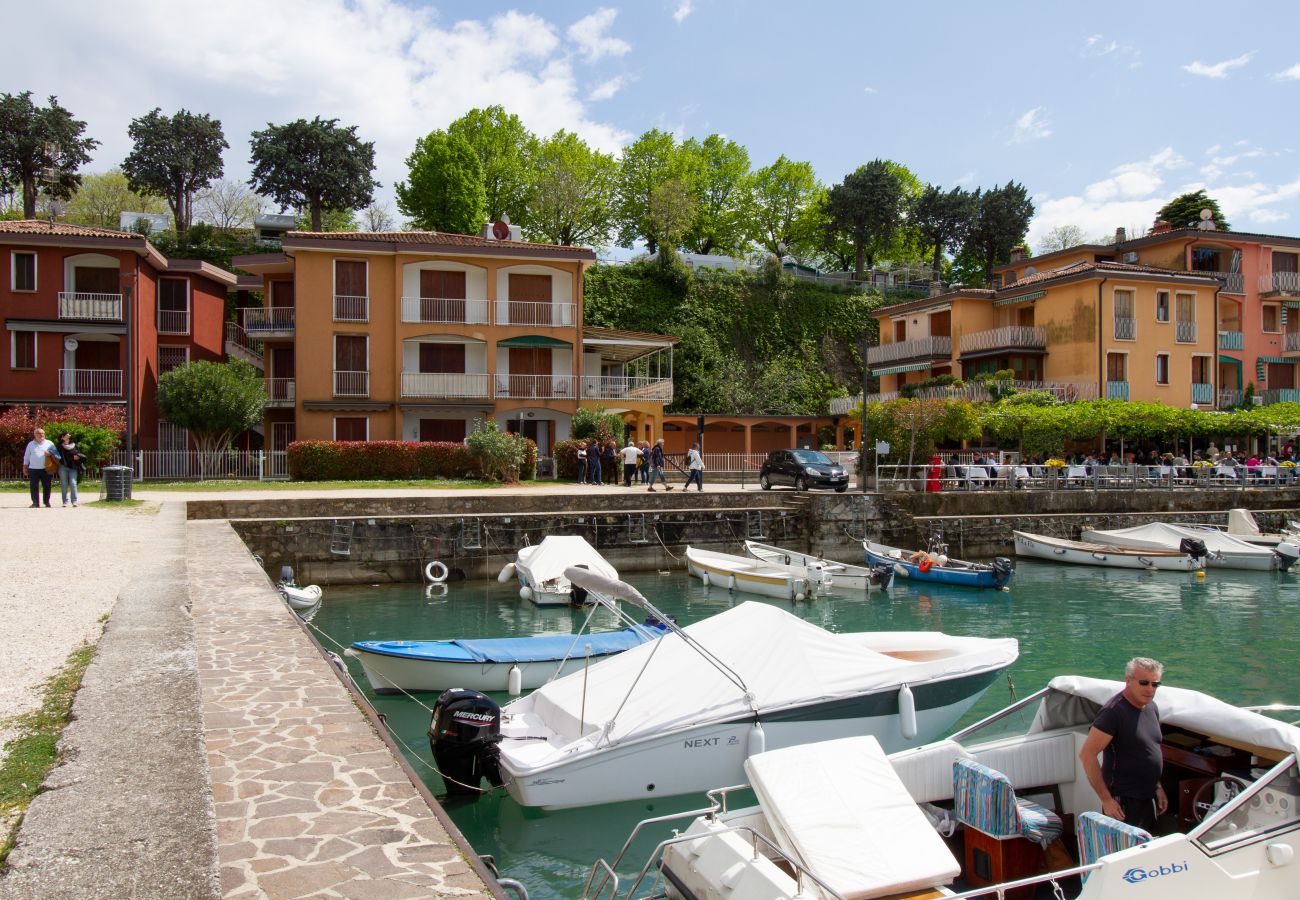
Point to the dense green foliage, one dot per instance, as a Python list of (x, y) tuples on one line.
[(386, 460), (502, 456), (445, 190), (102, 198), (595, 423), (96, 429), (506, 152), (573, 195), (174, 158), (213, 401), (41, 148), (315, 166), (1184, 211)]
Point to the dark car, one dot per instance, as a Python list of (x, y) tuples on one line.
[(803, 469)]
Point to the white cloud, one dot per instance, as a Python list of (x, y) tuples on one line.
[(589, 33), (870, 90), (1219, 69), (684, 9), (965, 178), (1032, 126), (1096, 46), (607, 89), (1291, 74)]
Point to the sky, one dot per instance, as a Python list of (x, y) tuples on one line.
[(1104, 113)]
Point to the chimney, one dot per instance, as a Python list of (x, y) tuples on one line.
[(1161, 227), (1019, 253), (936, 288), (1120, 235)]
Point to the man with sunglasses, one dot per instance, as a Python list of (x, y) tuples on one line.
[(1126, 732)]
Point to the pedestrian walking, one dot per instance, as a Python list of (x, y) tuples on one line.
[(72, 463), (631, 456), (38, 468), (593, 462), (582, 463), (695, 465), (657, 466)]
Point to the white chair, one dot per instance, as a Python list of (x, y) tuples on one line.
[(976, 477)]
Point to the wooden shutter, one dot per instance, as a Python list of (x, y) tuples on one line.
[(349, 353), (530, 299), (445, 358), (349, 278)]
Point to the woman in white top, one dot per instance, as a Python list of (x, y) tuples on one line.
[(695, 463), (34, 466)]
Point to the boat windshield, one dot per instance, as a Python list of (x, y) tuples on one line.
[(1037, 712), (1270, 804), (811, 458)]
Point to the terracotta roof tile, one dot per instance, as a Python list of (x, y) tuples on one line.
[(62, 229), (1101, 268), (445, 238)]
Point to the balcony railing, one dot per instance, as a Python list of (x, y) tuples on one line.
[(553, 387), (351, 309), (90, 382), (173, 321), (1229, 399), (1009, 337), (1291, 341), (525, 312), (1282, 395), (602, 387), (1280, 283), (1064, 391), (1233, 282), (351, 384), (280, 392), (1230, 340), (1202, 393), (444, 309), (914, 349), (237, 339), (444, 384), (1185, 332), (1117, 390), (101, 307), (1125, 328), (266, 319)]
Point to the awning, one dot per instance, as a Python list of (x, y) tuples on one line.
[(1278, 359), (1007, 301), (897, 370), (533, 340)]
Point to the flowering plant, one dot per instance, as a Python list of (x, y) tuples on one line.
[(1287, 464), (1055, 463), (1202, 464)]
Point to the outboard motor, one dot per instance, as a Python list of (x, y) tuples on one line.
[(1002, 570), (286, 574), (819, 580), (1193, 547), (882, 575), (1288, 552), (463, 735)]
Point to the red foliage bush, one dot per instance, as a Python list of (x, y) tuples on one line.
[(17, 422), (386, 460), (565, 454)]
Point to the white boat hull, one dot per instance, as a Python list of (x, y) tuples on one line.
[(751, 576), (395, 674), (300, 597), (1079, 553), (1218, 559), (844, 576)]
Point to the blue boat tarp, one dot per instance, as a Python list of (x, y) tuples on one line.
[(515, 649)]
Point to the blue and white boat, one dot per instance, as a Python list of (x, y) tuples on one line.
[(937, 567)]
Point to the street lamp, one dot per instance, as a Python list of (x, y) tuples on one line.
[(127, 283)]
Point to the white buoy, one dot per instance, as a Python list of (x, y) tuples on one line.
[(507, 572), (514, 681), (704, 576), (756, 742), (526, 592), (907, 712), (436, 572), (799, 596)]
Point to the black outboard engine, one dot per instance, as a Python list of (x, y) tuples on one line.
[(882, 575), (1193, 547), (463, 735), (1002, 570)]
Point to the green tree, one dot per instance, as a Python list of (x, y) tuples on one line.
[(214, 402), (101, 199), (574, 194), (783, 207), (1000, 224), (174, 158), (669, 214), (721, 192), (444, 191), (314, 165), (506, 151), (941, 220), (867, 208), (330, 220), (596, 423), (1184, 211), (650, 161), (1062, 237), (41, 148)]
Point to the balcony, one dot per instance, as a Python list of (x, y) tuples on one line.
[(534, 387), (546, 315), (1230, 340), (449, 310), (1229, 399), (351, 309), (280, 392), (1117, 390), (269, 321), (1009, 337), (1233, 282), (240, 344), (1282, 395), (1125, 328), (98, 307), (173, 321), (1291, 341), (1202, 393), (351, 384), (602, 387), (90, 382), (921, 348), (1280, 283), (1185, 332), (445, 384)]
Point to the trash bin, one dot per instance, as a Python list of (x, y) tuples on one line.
[(117, 482), (933, 481)]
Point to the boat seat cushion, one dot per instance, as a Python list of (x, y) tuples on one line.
[(1033, 761), (839, 808), (926, 771), (1099, 835), (983, 799)]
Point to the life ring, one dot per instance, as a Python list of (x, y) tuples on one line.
[(926, 563), (435, 572)]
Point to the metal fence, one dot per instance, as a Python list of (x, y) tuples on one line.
[(187, 465), (952, 476)]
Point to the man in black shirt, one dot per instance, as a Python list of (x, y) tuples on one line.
[(1127, 735)]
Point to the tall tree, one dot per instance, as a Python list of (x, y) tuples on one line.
[(505, 150), (1000, 224), (444, 190), (721, 192), (942, 219), (1062, 237), (783, 203), (648, 162), (214, 401), (103, 197), (867, 208), (228, 204), (175, 157), (1184, 211), (378, 217), (40, 147), (573, 200), (314, 165), (669, 214)]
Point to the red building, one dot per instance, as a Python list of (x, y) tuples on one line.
[(95, 316)]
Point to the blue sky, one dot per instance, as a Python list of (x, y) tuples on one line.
[(1103, 112)]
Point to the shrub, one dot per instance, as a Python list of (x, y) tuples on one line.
[(591, 422), (17, 422), (565, 454), (95, 442), (356, 460), (500, 455)]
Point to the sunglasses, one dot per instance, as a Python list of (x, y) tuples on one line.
[(1146, 682)]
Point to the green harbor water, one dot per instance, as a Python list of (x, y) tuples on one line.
[(1232, 634)]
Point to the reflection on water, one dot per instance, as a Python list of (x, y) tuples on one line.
[(1231, 634)]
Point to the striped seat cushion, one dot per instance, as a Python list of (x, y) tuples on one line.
[(984, 800), (1099, 835), (1038, 823)]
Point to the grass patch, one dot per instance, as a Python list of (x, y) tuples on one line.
[(93, 487), (116, 504), (35, 748)]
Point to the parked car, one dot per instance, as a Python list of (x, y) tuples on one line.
[(803, 469)]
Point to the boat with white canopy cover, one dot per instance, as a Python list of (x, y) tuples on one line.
[(540, 568), (1041, 546), (1225, 551), (844, 576)]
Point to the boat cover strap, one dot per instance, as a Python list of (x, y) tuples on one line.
[(549, 647)]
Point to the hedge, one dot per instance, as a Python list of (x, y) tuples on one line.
[(565, 454), (356, 460)]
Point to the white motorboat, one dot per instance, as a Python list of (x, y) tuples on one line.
[(1225, 551), (1242, 526), (682, 713), (845, 576), (756, 576), (299, 596), (1231, 774), (540, 569), (1040, 546)]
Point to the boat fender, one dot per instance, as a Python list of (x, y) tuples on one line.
[(704, 576), (436, 572), (925, 564), (756, 742), (526, 593), (907, 712), (507, 572), (514, 681), (731, 582), (900, 570)]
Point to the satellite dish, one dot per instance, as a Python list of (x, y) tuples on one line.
[(1207, 214), (501, 230)]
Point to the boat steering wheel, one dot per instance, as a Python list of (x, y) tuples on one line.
[(1203, 803)]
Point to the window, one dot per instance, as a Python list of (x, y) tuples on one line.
[(350, 353), (1280, 375), (349, 278), (1117, 367), (1009, 278), (173, 306), (1162, 306), (1162, 368), (1272, 317), (172, 358), (23, 271), (23, 349), (447, 430), (351, 428), (1201, 369), (1125, 325)]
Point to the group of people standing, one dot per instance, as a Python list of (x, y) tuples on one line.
[(43, 459), (642, 464)]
